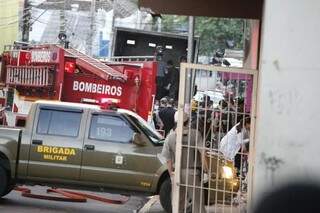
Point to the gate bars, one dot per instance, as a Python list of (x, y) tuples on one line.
[(223, 187)]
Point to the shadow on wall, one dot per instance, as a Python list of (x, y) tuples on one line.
[(294, 197)]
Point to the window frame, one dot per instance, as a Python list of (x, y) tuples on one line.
[(139, 125), (110, 115), (59, 109)]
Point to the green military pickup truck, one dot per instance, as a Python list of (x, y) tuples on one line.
[(79, 145)]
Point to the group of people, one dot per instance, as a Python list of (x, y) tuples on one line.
[(199, 128)]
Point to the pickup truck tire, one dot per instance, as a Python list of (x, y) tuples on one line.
[(165, 195), (3, 181)]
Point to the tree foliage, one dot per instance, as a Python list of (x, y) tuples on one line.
[(213, 32), (174, 23)]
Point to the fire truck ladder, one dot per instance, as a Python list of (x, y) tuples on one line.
[(95, 66)]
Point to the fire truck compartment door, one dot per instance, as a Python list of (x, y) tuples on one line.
[(115, 161), (56, 144)]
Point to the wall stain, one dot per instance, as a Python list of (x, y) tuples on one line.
[(276, 65), (272, 165), (286, 101)]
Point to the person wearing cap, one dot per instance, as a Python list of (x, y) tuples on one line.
[(193, 150)]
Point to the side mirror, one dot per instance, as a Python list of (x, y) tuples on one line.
[(139, 139)]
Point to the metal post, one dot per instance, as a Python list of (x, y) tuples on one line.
[(139, 17), (92, 28), (26, 21), (159, 23), (190, 57), (63, 20), (111, 40), (181, 104)]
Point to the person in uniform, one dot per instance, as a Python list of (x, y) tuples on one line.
[(193, 150)]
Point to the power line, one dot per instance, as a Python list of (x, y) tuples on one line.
[(19, 11), (8, 25), (38, 17), (23, 18), (9, 3)]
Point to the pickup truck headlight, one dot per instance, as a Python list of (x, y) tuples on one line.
[(227, 172)]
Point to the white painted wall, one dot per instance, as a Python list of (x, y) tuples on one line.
[(288, 118)]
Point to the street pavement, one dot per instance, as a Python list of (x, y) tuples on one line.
[(16, 203)]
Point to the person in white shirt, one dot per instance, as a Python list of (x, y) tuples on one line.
[(236, 138)]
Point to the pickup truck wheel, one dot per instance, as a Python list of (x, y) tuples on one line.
[(3, 181), (165, 195)]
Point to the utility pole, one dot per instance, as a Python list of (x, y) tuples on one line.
[(159, 22), (62, 21), (92, 28), (139, 19), (26, 21), (111, 40), (190, 58)]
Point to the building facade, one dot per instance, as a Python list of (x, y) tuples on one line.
[(9, 22)]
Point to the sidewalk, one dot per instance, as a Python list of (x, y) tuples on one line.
[(152, 206)]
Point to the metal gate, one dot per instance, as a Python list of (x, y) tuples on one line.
[(216, 117)]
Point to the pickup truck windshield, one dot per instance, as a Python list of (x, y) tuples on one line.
[(153, 135)]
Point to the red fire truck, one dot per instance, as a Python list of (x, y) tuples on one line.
[(33, 72)]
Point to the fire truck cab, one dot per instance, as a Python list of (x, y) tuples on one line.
[(51, 72)]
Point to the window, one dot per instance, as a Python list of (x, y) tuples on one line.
[(145, 127), (152, 45), (55, 122), (131, 42), (110, 128)]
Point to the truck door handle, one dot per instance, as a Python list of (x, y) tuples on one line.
[(88, 147), (37, 142)]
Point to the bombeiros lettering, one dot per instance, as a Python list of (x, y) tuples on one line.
[(105, 89)]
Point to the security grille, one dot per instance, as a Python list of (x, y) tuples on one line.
[(214, 139)]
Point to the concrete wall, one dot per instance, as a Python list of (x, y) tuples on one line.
[(9, 26), (288, 118)]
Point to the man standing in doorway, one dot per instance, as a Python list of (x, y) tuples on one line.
[(173, 79), (160, 77)]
